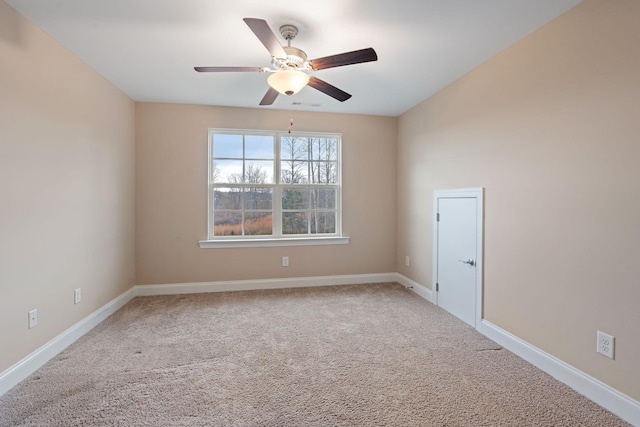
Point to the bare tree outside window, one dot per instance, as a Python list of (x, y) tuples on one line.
[(252, 175), (215, 173), (323, 160), (294, 155)]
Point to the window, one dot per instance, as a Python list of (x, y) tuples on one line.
[(270, 186)]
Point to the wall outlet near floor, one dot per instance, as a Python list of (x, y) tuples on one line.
[(407, 261), (285, 261), (33, 318), (606, 344), (77, 296)]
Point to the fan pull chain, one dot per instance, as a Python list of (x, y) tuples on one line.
[(290, 121)]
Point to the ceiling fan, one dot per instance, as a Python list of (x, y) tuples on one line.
[(289, 63)]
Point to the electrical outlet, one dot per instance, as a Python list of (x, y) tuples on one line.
[(33, 318), (407, 261), (606, 344), (285, 261), (77, 296)]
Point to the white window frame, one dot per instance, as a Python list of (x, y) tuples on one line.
[(277, 239)]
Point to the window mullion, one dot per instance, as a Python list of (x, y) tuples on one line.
[(242, 210), (276, 205)]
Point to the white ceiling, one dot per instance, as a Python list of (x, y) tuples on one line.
[(148, 48)]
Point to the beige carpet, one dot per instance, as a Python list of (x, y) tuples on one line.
[(362, 355)]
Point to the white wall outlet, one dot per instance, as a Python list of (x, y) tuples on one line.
[(606, 344), (407, 261), (285, 261), (33, 318), (77, 296)]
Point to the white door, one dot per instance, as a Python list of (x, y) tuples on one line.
[(458, 246)]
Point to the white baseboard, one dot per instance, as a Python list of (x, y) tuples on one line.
[(25, 367), (416, 287), (253, 285), (618, 403), (31, 363), (609, 398)]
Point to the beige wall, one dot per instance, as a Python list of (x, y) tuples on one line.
[(171, 204), (66, 188), (551, 128)]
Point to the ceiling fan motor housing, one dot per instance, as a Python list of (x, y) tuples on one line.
[(296, 59), (295, 56)]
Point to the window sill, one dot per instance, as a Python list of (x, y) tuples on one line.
[(283, 241)]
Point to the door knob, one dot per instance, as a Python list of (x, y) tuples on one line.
[(468, 261)]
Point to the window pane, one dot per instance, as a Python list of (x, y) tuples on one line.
[(294, 148), (258, 199), (323, 198), (324, 172), (323, 149), (227, 224), (294, 172), (295, 223), (323, 222), (227, 171), (227, 146), (259, 147), (258, 224), (256, 172), (295, 198), (227, 199)]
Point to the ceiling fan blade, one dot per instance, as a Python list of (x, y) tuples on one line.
[(228, 69), (269, 97), (262, 30), (328, 89), (347, 58)]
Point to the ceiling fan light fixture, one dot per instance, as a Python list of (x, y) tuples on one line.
[(288, 82)]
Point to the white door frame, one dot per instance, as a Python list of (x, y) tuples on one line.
[(478, 194)]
